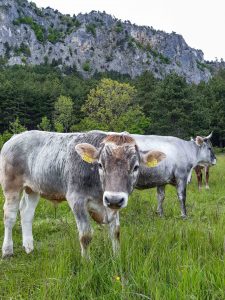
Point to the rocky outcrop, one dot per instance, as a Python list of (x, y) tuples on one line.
[(94, 42)]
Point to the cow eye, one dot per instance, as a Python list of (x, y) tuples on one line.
[(135, 168), (100, 165)]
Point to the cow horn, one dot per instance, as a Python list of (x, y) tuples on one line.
[(209, 136)]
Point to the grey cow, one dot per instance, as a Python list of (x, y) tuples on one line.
[(94, 172), (181, 157)]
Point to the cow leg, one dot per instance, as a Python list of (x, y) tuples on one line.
[(28, 205), (114, 230), (200, 180), (199, 177), (181, 193), (78, 205), (207, 178), (11, 206), (160, 197)]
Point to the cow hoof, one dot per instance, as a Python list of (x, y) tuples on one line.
[(184, 217), (28, 246), (207, 187), (7, 252), (159, 213)]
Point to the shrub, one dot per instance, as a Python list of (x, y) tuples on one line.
[(38, 29), (86, 66), (54, 35), (119, 27), (91, 28), (23, 49), (201, 66)]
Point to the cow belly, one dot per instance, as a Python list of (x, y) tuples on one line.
[(54, 197)]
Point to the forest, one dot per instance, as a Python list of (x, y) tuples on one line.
[(49, 98)]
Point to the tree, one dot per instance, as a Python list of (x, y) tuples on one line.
[(171, 108), (16, 127), (111, 106), (63, 112), (45, 124)]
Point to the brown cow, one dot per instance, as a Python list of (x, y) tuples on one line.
[(198, 170)]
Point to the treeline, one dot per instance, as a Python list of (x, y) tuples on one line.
[(44, 97)]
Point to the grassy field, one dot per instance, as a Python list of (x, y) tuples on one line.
[(166, 258)]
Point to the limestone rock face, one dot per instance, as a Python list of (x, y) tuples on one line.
[(94, 42)]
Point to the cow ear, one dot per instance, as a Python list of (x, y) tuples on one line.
[(199, 140), (87, 152), (152, 158)]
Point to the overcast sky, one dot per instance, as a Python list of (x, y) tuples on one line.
[(201, 22)]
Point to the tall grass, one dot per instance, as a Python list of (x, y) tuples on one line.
[(161, 258)]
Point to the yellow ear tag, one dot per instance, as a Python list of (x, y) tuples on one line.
[(87, 158), (153, 163)]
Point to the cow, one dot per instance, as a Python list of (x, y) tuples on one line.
[(181, 157), (94, 171), (198, 170)]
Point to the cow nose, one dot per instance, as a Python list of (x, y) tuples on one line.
[(114, 200)]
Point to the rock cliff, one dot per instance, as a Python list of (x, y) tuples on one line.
[(94, 42)]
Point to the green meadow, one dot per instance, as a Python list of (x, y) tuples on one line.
[(161, 258)]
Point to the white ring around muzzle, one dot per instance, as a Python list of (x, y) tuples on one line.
[(115, 195)]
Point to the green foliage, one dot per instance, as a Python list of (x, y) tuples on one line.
[(148, 48), (7, 50), (45, 124), (29, 92), (22, 49), (58, 127), (175, 107), (24, 60), (3, 61), (63, 113), (202, 66), (36, 9), (16, 127), (163, 59), (54, 35), (171, 106), (70, 22), (111, 106), (91, 28), (86, 66), (38, 29), (5, 137), (119, 27)]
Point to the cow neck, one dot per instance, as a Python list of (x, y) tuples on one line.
[(195, 154)]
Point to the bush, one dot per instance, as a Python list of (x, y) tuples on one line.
[(86, 66), (54, 35), (38, 29), (119, 27), (91, 28), (23, 49)]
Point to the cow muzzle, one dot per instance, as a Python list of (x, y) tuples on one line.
[(115, 200), (214, 162)]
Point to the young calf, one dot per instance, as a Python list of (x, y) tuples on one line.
[(181, 157), (93, 171)]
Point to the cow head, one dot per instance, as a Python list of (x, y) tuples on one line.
[(206, 154), (118, 161)]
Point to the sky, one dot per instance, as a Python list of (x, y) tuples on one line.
[(201, 22)]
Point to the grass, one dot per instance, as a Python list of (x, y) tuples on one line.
[(166, 258)]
